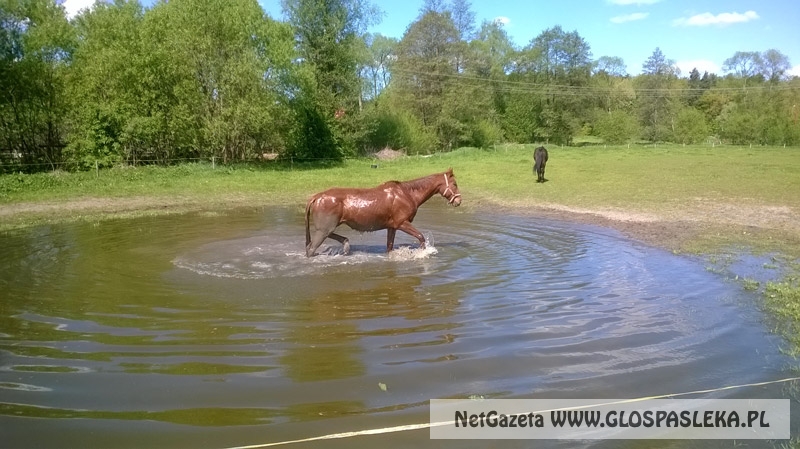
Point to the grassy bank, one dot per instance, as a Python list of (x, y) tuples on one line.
[(641, 178), (715, 186)]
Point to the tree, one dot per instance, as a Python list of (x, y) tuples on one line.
[(105, 89), (658, 64), (437, 6), (695, 83), (656, 100), (616, 127), (561, 61), (37, 44), (774, 65), (425, 70), (377, 65), (490, 59), (744, 64), (225, 58), (463, 19), (611, 66), (188, 78), (690, 126), (328, 34), (560, 56), (492, 51)]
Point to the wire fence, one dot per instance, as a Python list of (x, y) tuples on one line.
[(290, 162), (19, 166)]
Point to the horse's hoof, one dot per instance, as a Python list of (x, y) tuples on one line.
[(346, 248)]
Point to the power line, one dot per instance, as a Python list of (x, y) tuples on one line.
[(565, 89)]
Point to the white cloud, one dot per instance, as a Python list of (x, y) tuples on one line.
[(794, 71), (502, 20), (722, 19), (73, 7), (702, 65), (630, 17), (633, 2)]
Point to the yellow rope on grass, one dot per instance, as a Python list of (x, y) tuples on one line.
[(404, 428)]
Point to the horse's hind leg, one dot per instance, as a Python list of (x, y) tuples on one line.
[(343, 240), (316, 240), (323, 226)]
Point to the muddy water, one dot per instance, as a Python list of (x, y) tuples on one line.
[(213, 330)]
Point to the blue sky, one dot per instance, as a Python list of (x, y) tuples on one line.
[(694, 33)]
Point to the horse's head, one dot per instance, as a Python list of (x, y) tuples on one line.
[(449, 189)]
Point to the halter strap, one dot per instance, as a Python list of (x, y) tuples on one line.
[(447, 188)]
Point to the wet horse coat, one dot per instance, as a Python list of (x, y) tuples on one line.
[(391, 206)]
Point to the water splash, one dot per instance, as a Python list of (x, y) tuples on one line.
[(253, 258)]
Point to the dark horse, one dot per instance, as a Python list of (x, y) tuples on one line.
[(540, 160), (391, 206)]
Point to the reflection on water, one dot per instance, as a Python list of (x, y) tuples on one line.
[(214, 330)]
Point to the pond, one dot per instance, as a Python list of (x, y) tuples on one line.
[(214, 330)]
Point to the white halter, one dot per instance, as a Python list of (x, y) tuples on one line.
[(447, 188)]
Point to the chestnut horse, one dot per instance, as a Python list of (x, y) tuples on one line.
[(391, 206)]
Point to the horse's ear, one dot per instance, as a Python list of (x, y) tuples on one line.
[(450, 171)]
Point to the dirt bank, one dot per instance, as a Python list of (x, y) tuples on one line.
[(674, 228)]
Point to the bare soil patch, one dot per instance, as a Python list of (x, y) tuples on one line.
[(388, 154), (671, 227)]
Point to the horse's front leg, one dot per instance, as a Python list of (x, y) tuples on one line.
[(343, 240), (413, 232), (390, 239)]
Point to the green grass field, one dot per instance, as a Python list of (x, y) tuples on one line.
[(639, 178)]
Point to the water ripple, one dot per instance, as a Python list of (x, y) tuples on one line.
[(220, 320)]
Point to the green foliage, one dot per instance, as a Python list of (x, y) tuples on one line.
[(425, 67), (125, 84), (486, 133), (187, 78), (376, 64), (783, 300), (690, 126), (329, 33), (312, 138), (399, 130), (616, 127), (35, 49)]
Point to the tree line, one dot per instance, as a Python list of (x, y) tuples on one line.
[(184, 79)]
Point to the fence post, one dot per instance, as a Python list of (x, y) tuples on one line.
[(213, 162), (96, 170)]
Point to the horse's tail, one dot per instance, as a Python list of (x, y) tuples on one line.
[(308, 213), (540, 158)]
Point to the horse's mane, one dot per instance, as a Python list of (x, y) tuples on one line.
[(419, 183)]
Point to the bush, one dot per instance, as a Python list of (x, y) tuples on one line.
[(312, 137), (400, 131), (616, 127), (486, 133), (690, 126)]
